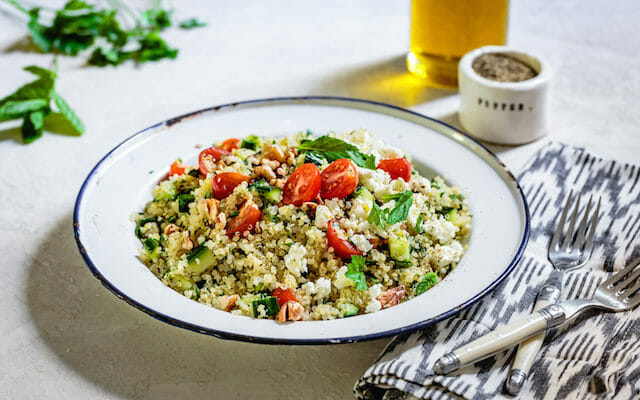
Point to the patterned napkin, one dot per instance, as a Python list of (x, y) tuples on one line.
[(598, 355)]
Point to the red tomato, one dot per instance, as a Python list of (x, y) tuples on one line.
[(222, 184), (230, 144), (302, 186), (339, 179), (341, 247), (176, 168), (207, 158), (245, 221), (284, 295), (397, 168)]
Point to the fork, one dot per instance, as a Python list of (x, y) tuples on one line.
[(566, 254), (618, 293)]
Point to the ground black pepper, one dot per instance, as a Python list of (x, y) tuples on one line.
[(502, 67)]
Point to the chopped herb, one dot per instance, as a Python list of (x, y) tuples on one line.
[(434, 184), (250, 142), (426, 282), (196, 291), (150, 172), (401, 210), (402, 264), (172, 218), (234, 214), (418, 227), (184, 200), (313, 157), (393, 196), (143, 222), (260, 186), (355, 272), (207, 194), (453, 196), (272, 217), (288, 244), (333, 149), (192, 23), (194, 172), (376, 215), (445, 210), (150, 244), (200, 284)]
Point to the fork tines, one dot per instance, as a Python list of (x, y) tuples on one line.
[(575, 239)]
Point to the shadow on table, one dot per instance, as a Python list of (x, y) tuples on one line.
[(386, 81), (127, 352)]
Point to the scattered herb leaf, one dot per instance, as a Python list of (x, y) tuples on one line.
[(426, 282), (401, 210), (192, 23), (355, 272), (333, 149)]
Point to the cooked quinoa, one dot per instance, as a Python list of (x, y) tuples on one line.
[(385, 242)]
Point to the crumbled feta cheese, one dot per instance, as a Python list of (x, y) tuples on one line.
[(375, 181), (361, 242), (360, 208), (335, 207), (309, 288), (295, 260), (323, 288), (373, 306), (323, 215), (399, 185), (445, 255), (390, 152), (375, 291), (441, 229), (341, 281)]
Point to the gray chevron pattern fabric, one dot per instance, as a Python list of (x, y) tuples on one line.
[(597, 356)]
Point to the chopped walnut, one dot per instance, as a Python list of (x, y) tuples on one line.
[(169, 229), (272, 152), (273, 164), (290, 311), (209, 207), (187, 244), (265, 172), (392, 297), (282, 170), (226, 303), (221, 222)]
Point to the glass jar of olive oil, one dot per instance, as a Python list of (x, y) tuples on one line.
[(442, 31)]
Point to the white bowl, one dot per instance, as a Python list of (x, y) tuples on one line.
[(504, 112), (121, 184)]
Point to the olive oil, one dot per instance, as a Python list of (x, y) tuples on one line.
[(442, 31)]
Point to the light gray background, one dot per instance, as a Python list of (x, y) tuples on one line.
[(62, 335)]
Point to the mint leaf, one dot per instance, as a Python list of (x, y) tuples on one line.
[(426, 282), (68, 113), (376, 216), (355, 272), (13, 109), (401, 210), (32, 126), (418, 227), (333, 149)]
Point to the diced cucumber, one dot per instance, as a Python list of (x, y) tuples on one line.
[(179, 281), (363, 193), (453, 217), (152, 246), (165, 191), (269, 193), (399, 248), (270, 304), (349, 310), (199, 259), (250, 142)]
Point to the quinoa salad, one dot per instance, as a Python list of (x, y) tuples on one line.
[(304, 227)]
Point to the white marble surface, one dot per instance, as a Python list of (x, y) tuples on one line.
[(64, 336)]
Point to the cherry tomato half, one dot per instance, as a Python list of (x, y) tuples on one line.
[(341, 247), (208, 157), (397, 168), (176, 168), (302, 186), (222, 184), (230, 144), (284, 295), (246, 220), (339, 179)]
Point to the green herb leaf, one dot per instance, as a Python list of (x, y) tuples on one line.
[(184, 200), (376, 216), (192, 23), (418, 227), (14, 109), (153, 48), (250, 142), (427, 282), (156, 18), (234, 213), (41, 72), (68, 113), (401, 210), (445, 210), (314, 158), (150, 244), (32, 126), (333, 149), (355, 272)]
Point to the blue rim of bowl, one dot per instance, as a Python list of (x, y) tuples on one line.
[(315, 341)]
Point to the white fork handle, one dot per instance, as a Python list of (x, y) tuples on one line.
[(528, 350), (492, 343)]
